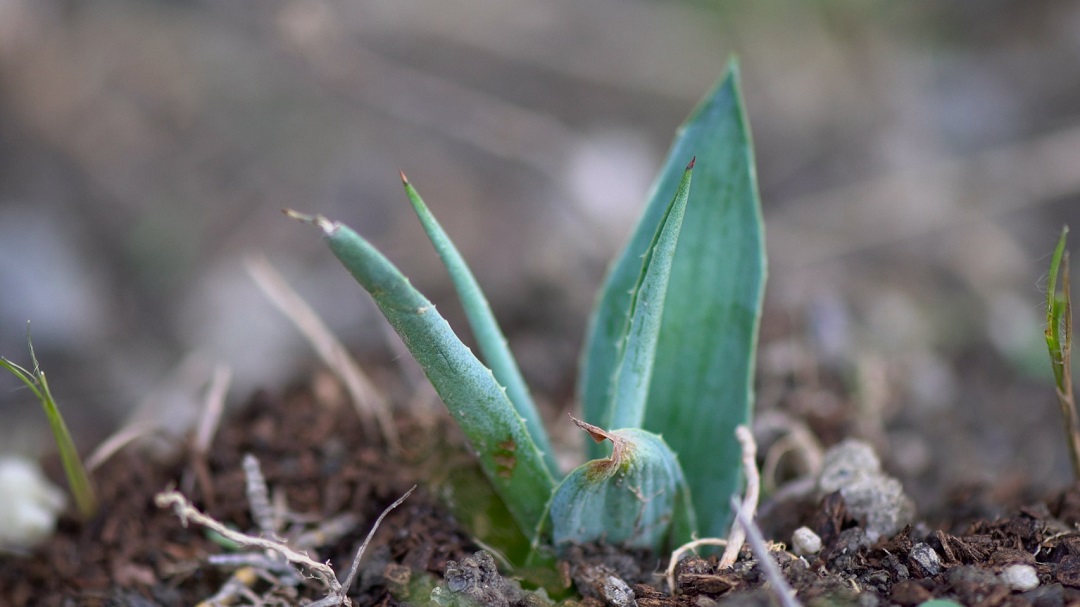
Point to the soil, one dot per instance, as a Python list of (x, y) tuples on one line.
[(316, 455)]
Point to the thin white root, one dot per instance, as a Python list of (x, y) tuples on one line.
[(186, 512), (783, 590), (367, 399), (737, 536), (681, 550), (750, 499)]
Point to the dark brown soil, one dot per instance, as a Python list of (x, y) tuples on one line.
[(134, 553)]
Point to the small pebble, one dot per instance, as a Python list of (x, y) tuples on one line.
[(1020, 577), (805, 542), (29, 504), (927, 558)]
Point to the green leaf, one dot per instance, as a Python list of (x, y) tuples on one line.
[(638, 348), (78, 480), (636, 498), (489, 336), (702, 380), (1055, 308), (510, 459)]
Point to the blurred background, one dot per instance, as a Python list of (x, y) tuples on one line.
[(916, 162)]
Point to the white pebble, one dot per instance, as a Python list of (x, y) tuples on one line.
[(805, 542), (29, 504), (1020, 577)]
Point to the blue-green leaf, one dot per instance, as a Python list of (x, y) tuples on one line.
[(636, 498), (630, 383), (702, 379), (510, 460), (489, 336)]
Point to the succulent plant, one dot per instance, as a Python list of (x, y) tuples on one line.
[(667, 373)]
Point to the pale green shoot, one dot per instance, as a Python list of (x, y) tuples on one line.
[(77, 478)]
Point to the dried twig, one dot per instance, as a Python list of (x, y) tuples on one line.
[(360, 553), (186, 512), (367, 399), (258, 496), (757, 543), (750, 498)]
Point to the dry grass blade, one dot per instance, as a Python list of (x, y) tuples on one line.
[(360, 552), (117, 441), (214, 406), (369, 402)]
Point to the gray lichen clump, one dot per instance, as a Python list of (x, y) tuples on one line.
[(874, 498), (475, 582)]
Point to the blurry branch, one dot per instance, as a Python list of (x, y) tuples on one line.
[(453, 110), (369, 402)]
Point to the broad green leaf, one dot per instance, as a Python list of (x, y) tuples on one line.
[(638, 348), (489, 336), (510, 460), (636, 498), (702, 379)]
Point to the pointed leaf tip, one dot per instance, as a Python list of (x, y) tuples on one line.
[(597, 433), (691, 165), (404, 179), (328, 227)]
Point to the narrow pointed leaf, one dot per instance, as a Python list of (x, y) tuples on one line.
[(77, 477), (489, 336), (702, 379), (638, 348), (636, 498), (510, 460)]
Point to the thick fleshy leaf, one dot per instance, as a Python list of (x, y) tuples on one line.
[(630, 383), (636, 498), (489, 336), (510, 460), (702, 379)]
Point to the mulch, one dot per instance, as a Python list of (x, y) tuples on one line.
[(317, 456)]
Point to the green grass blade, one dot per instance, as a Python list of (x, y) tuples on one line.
[(702, 381), (631, 499), (493, 347), (635, 364), (509, 457), (1055, 305), (1059, 345), (78, 480)]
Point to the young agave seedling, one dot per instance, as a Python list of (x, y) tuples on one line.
[(668, 364)]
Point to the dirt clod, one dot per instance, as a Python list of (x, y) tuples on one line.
[(475, 581)]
